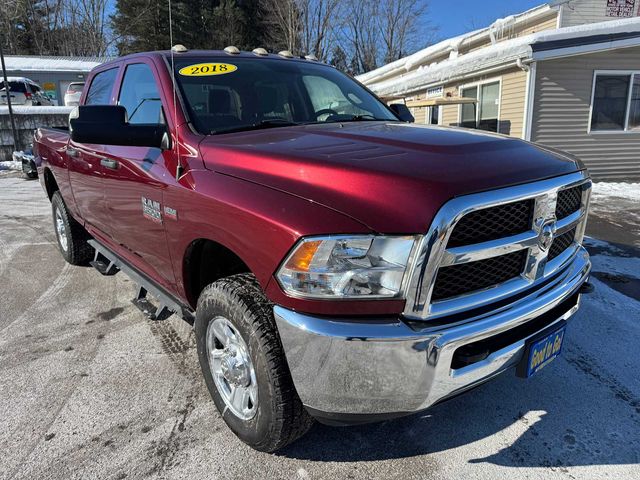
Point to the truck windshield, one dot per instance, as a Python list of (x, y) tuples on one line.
[(236, 94)]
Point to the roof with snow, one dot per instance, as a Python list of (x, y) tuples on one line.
[(34, 63), (451, 44), (401, 77)]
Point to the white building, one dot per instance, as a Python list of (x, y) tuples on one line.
[(53, 74)]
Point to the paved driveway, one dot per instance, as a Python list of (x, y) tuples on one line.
[(91, 389)]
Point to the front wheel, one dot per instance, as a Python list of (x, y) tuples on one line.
[(244, 364)]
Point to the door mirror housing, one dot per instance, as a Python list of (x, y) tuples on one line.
[(402, 112), (109, 125)]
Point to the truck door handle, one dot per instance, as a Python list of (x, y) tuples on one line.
[(107, 163), (72, 152)]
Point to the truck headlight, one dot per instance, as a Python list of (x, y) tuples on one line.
[(347, 267)]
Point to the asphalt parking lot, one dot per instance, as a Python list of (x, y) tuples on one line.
[(89, 388)]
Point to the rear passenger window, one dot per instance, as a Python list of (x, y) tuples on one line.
[(101, 87), (16, 87), (140, 96)]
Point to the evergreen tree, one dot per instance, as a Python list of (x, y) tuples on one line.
[(142, 25)]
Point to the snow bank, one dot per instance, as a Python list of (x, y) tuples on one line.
[(22, 110), (628, 191), (10, 166), (37, 63)]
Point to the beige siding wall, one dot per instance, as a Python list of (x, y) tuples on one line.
[(514, 84), (450, 112), (579, 12), (548, 22), (419, 113), (512, 101), (562, 107)]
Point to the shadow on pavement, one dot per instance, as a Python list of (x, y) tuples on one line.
[(544, 430)]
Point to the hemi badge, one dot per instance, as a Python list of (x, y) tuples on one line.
[(170, 213)]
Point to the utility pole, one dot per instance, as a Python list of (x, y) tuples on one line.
[(16, 140)]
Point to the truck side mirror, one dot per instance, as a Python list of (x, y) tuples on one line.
[(109, 125), (402, 112)]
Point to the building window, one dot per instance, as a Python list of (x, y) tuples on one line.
[(482, 115), (615, 105), (433, 115)]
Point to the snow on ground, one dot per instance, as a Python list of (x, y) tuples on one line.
[(10, 166), (627, 191), (615, 212)]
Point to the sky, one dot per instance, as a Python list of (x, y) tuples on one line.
[(455, 17)]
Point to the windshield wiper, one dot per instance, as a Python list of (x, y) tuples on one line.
[(361, 118), (267, 123)]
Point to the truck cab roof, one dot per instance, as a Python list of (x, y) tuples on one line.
[(166, 54)]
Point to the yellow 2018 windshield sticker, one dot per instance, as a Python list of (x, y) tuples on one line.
[(206, 69)]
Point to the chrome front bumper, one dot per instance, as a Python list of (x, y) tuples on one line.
[(381, 367)]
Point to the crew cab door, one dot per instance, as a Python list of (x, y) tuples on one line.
[(135, 177), (85, 168)]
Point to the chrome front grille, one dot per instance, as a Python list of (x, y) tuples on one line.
[(468, 277), (470, 258), (569, 201), (561, 243), (492, 223)]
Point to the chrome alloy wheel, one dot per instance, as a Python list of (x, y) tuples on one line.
[(231, 368), (62, 231)]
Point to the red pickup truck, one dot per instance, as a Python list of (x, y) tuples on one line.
[(337, 261)]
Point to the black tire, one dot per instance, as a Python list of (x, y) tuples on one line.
[(280, 417), (77, 251), (31, 175)]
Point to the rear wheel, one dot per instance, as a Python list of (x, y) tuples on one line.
[(72, 237), (244, 364)]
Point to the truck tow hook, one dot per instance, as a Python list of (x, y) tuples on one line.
[(587, 287)]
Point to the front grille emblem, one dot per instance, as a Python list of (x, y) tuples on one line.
[(545, 239)]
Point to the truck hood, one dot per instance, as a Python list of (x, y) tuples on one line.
[(392, 177)]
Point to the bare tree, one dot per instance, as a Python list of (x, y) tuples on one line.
[(11, 25), (319, 18), (55, 27), (304, 26), (284, 18), (401, 23), (362, 33), (381, 31), (93, 22)]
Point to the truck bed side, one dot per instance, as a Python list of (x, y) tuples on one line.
[(50, 150)]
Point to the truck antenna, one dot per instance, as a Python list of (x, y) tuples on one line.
[(179, 167)]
